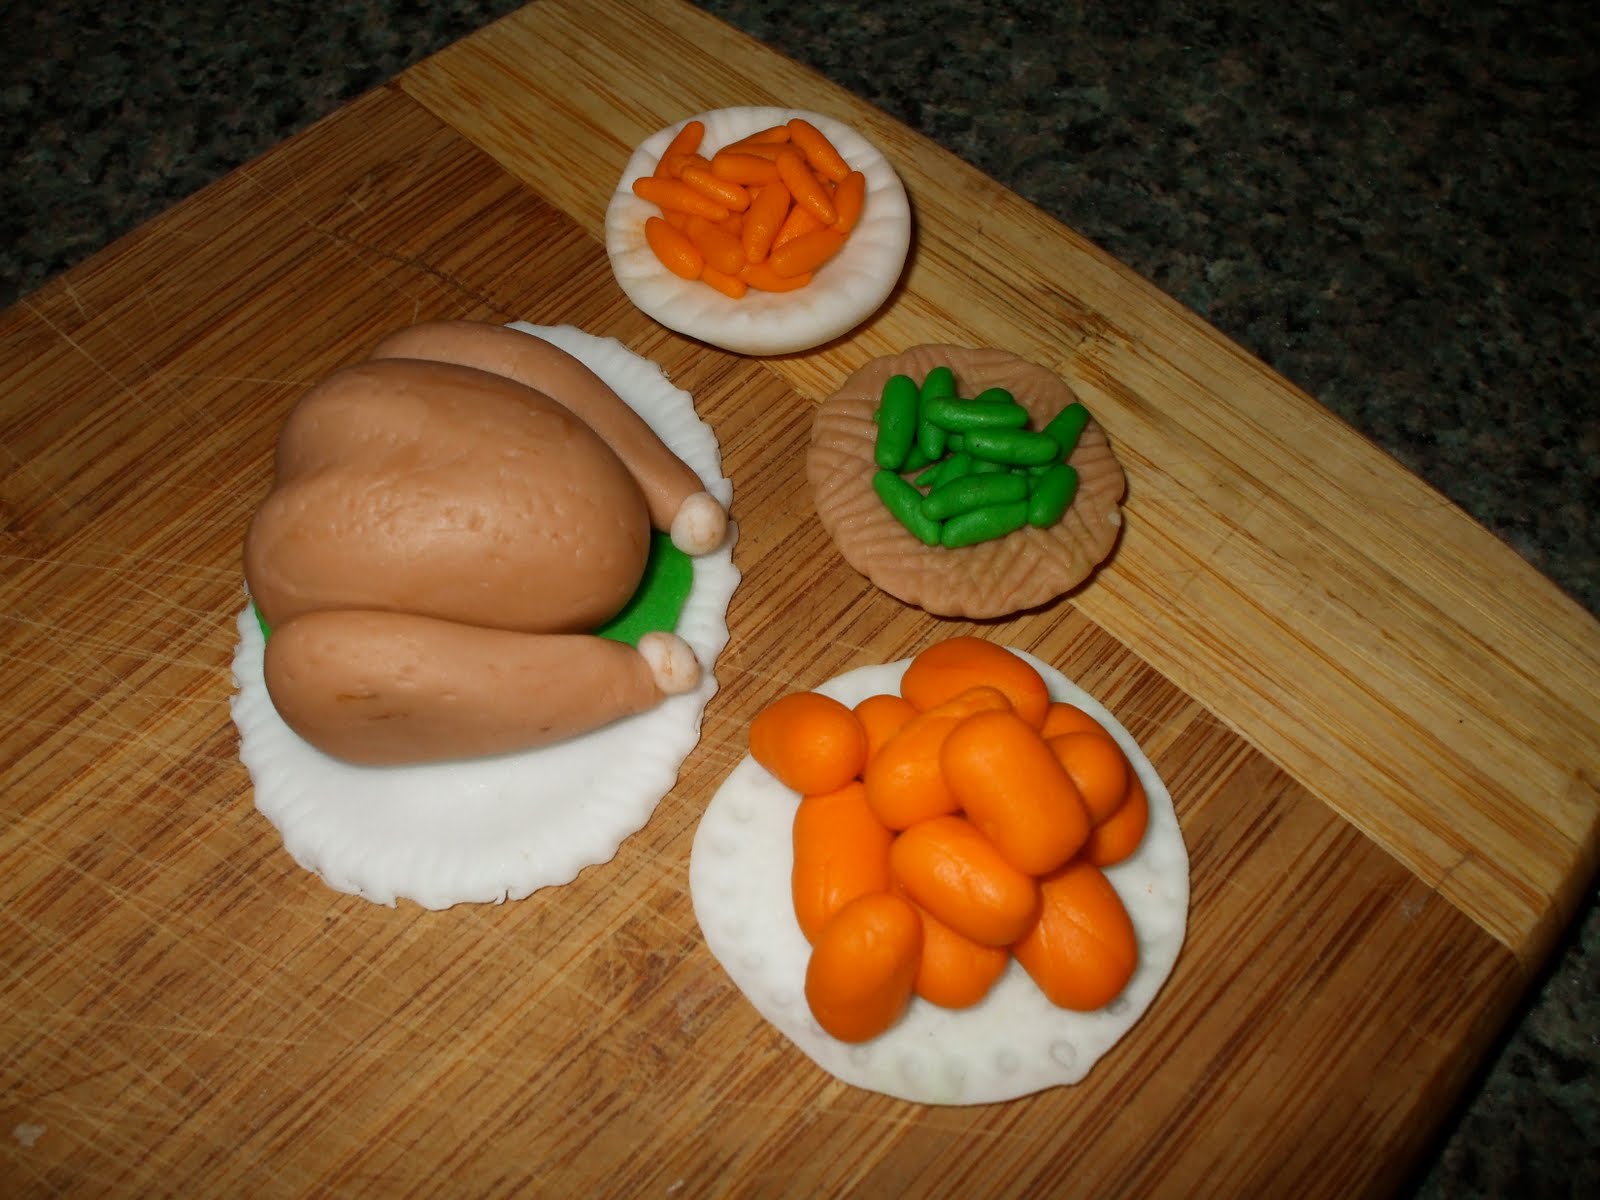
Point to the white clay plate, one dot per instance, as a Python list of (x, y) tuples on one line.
[(499, 828), (843, 293), (1013, 1042)]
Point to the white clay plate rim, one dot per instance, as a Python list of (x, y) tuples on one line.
[(1014, 1042), (843, 293), (498, 828)]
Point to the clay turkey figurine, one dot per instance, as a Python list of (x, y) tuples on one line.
[(448, 522)]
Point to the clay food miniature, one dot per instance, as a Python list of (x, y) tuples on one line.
[(448, 523), (865, 508)]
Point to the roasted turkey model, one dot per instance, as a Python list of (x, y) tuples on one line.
[(449, 522)]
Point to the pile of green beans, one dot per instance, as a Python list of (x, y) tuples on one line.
[(983, 473)]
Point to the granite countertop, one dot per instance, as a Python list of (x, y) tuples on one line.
[(1392, 205)]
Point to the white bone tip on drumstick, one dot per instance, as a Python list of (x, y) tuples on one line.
[(671, 661), (700, 524)]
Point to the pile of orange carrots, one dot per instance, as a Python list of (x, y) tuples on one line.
[(944, 830), (764, 212)]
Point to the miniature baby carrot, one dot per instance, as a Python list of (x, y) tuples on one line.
[(800, 220), (863, 966), (742, 168), (1098, 768), (821, 156), (731, 196), (1081, 950), (809, 742), (673, 247), (950, 667), (774, 135), (948, 867), (882, 716), (717, 246), (761, 276), (730, 286), (805, 253), (674, 193), (848, 200), (763, 219), (905, 782), (1014, 790), (805, 187), (1119, 835), (841, 851), (955, 971), (687, 140)]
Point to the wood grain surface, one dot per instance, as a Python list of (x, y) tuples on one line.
[(1377, 723)]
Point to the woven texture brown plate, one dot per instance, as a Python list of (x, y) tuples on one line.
[(1019, 571)]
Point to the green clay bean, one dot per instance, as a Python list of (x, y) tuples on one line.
[(930, 437), (1051, 495), (986, 466), (971, 492), (958, 416), (984, 524), (1014, 447), (953, 467), (941, 381), (897, 423), (904, 502), (1066, 427), (916, 460)]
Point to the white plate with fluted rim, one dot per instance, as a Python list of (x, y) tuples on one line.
[(498, 828), (844, 292), (1012, 1042)]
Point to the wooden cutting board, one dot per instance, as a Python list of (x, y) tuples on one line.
[(1378, 724)]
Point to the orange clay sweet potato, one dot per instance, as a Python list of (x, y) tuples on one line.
[(809, 742), (863, 966), (953, 871), (950, 667), (882, 716), (1081, 949), (1010, 785), (841, 851), (1119, 835), (905, 782), (1097, 767), (955, 971)]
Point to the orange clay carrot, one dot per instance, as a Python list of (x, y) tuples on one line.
[(1081, 950), (720, 248), (686, 140), (773, 135), (805, 253), (673, 247), (1062, 718), (731, 196), (1011, 787), (954, 872), (809, 742), (1119, 835), (742, 168), (1098, 768), (804, 186), (841, 851), (730, 286), (882, 716), (849, 198), (762, 277), (678, 220), (955, 971), (905, 783), (800, 221), (674, 193), (819, 151), (863, 967), (763, 219), (950, 667), (672, 166)]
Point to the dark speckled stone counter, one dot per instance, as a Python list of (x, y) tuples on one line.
[(1393, 205)]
